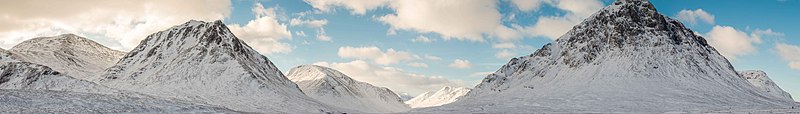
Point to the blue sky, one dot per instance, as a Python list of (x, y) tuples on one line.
[(411, 46), (356, 30)]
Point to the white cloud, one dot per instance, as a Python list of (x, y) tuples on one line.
[(504, 54), (400, 80), (321, 36), (376, 55), (554, 26), (300, 33), (315, 24), (265, 32), (422, 39), (418, 64), (529, 5), (789, 53), (431, 57), (309, 23), (504, 45), (758, 33), (356, 7), (452, 19), (117, 24), (692, 16), (731, 42), (459, 63)]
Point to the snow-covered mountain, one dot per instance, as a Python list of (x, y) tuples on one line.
[(337, 89), (764, 83), (204, 62), (47, 101), (24, 75), (626, 57), (68, 53), (404, 96), (443, 96), (7, 56)]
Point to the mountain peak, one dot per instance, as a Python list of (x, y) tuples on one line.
[(57, 42), (626, 53), (205, 62), (760, 80), (335, 88), (324, 73), (436, 98), (77, 56)]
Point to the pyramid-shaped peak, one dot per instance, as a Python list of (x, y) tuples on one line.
[(639, 4), (198, 22)]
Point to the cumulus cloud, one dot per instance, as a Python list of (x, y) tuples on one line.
[(554, 26), (789, 53), (309, 23), (376, 55), (452, 19), (732, 43), (315, 24), (356, 7), (459, 63), (265, 32), (400, 80), (117, 24), (431, 57), (693, 16), (422, 39)]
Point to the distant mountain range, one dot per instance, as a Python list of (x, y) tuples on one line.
[(626, 58)]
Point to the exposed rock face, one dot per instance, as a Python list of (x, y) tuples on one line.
[(337, 89), (204, 62), (625, 58)]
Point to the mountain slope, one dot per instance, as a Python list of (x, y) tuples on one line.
[(760, 80), (46, 101), (7, 56), (204, 62), (68, 53), (443, 96), (625, 58), (337, 89), (24, 75)]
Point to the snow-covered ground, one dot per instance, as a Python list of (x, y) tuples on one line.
[(24, 75), (48, 101), (337, 89), (436, 98)]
